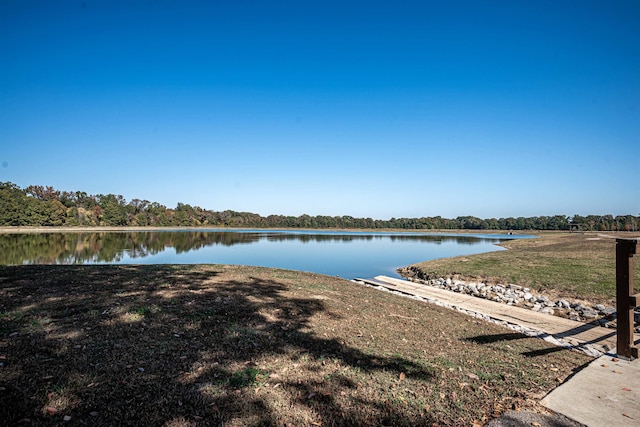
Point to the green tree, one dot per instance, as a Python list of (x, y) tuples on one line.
[(12, 205)]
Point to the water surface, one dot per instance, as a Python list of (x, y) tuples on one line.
[(344, 254)]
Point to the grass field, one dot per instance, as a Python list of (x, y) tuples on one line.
[(222, 345), (568, 265)]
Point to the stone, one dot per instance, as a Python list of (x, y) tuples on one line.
[(547, 310), (536, 307), (599, 307), (589, 313), (563, 304), (527, 296)]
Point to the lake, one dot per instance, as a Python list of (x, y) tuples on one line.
[(335, 253)]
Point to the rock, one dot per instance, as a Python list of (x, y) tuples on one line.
[(527, 296), (589, 313), (448, 282), (547, 310), (563, 304), (574, 316), (599, 307), (542, 299), (609, 311), (536, 307)]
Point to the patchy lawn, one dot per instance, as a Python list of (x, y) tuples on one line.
[(214, 345)]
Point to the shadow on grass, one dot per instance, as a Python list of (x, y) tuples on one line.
[(498, 338), (487, 339), (173, 345)]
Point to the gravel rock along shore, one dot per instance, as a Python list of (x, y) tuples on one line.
[(512, 294)]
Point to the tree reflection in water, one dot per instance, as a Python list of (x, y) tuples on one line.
[(116, 247)]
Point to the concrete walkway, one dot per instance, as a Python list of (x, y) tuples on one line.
[(605, 393)]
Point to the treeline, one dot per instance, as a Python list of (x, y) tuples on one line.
[(45, 206)]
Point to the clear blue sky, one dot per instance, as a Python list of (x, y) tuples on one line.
[(366, 108)]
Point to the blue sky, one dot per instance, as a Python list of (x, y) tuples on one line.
[(372, 109)]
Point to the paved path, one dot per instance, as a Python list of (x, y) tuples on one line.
[(605, 393)]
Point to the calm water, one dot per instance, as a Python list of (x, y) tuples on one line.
[(344, 254)]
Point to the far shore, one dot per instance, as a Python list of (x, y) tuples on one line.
[(85, 229)]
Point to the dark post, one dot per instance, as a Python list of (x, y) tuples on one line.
[(625, 298)]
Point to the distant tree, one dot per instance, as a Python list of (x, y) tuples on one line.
[(114, 211), (13, 201), (42, 193), (54, 213)]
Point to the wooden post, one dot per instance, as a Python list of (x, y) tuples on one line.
[(625, 298)]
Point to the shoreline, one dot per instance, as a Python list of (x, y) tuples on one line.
[(98, 229)]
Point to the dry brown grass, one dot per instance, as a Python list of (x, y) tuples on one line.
[(213, 345)]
